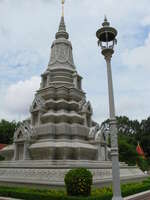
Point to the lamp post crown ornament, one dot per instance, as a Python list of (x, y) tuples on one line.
[(107, 38), (105, 23)]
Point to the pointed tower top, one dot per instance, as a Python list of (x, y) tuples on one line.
[(63, 2), (61, 49), (62, 27), (105, 23)]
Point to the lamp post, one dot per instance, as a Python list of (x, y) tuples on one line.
[(106, 40)]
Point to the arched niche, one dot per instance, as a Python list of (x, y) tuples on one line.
[(37, 107), (21, 143)]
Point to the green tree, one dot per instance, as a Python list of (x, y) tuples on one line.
[(142, 163), (145, 136), (130, 132), (7, 130), (127, 151), (126, 128)]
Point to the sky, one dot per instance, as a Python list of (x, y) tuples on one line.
[(27, 30)]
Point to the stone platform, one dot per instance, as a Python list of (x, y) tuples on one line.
[(51, 173)]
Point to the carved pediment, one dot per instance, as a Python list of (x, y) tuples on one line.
[(82, 102), (86, 107), (38, 104), (24, 132), (20, 135), (89, 107), (93, 131), (99, 133)]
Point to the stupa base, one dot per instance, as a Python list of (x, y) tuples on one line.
[(51, 173)]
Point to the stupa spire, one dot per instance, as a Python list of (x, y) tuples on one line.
[(61, 49), (63, 2), (62, 27)]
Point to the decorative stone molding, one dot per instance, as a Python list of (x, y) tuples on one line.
[(61, 52), (38, 175), (23, 132), (38, 104)]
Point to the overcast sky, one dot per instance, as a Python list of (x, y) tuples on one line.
[(27, 29)]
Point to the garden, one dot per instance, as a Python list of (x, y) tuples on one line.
[(78, 187)]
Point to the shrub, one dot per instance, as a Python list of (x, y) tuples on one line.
[(1, 158), (143, 163), (78, 182), (134, 188)]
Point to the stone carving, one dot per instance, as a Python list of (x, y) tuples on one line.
[(70, 59), (38, 104), (62, 52), (103, 133), (86, 107), (82, 103), (93, 131), (99, 133), (52, 57), (55, 175), (24, 132)]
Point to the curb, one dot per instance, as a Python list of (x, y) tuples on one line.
[(139, 196), (7, 198)]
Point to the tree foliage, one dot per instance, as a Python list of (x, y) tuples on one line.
[(130, 132), (127, 152), (7, 130), (145, 136)]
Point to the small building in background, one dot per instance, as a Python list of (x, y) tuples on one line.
[(2, 146)]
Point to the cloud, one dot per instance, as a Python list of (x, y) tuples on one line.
[(135, 108), (139, 56), (18, 97)]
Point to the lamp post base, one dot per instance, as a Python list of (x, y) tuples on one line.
[(117, 198)]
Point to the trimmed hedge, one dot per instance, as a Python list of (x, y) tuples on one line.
[(1, 158), (78, 182), (31, 194), (97, 194)]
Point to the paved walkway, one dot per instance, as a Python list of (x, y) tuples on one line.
[(140, 196), (6, 198)]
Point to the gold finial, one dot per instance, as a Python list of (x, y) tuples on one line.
[(63, 2)]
